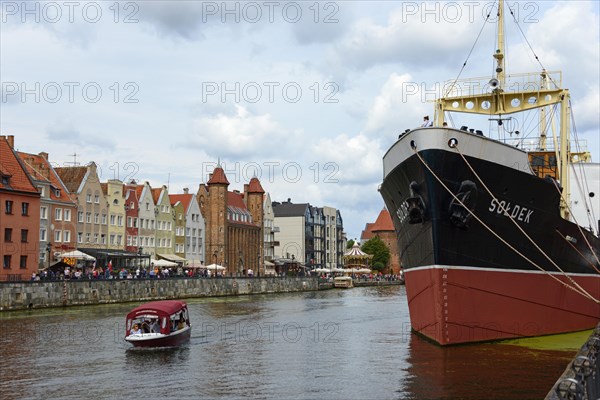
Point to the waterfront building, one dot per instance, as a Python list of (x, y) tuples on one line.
[(312, 235), (294, 233), (83, 184), (194, 228), (335, 244), (383, 228), (19, 216), (113, 190), (179, 224), (131, 194), (269, 230), (234, 223), (58, 211), (147, 219), (165, 233)]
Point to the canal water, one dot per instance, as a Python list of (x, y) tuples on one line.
[(335, 344)]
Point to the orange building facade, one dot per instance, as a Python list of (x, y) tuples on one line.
[(19, 216)]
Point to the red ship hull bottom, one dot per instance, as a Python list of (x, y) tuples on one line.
[(452, 305)]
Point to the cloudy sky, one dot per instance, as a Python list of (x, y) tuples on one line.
[(305, 95)]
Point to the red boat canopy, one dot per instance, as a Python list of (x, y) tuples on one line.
[(162, 308)]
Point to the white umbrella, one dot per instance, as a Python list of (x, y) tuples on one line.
[(215, 266), (162, 263), (78, 255)]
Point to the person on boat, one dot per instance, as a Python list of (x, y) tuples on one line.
[(181, 323), (136, 330), (426, 122), (145, 327), (155, 327)]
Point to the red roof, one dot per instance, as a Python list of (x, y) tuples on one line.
[(159, 308), (10, 166), (383, 223), (236, 200), (367, 233), (71, 176), (185, 199), (255, 186), (40, 169), (156, 194), (218, 177)]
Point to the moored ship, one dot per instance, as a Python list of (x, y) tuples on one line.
[(488, 240)]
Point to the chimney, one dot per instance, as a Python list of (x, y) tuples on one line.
[(44, 155), (246, 186), (11, 141), (186, 190), (289, 200)]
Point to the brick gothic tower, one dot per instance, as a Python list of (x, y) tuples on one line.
[(254, 201), (215, 213)]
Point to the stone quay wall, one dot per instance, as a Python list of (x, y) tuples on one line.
[(45, 294)]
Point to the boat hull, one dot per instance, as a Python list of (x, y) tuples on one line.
[(477, 279), (453, 305), (150, 340)]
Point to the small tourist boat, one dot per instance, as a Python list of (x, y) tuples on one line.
[(344, 282), (162, 323)]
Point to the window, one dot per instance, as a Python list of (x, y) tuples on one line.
[(58, 236), (42, 235), (132, 206), (67, 236), (80, 216), (88, 217), (96, 218), (87, 237), (88, 198), (24, 234), (129, 222), (24, 208), (135, 241), (58, 214), (103, 238), (103, 219), (120, 220), (43, 212), (8, 206), (42, 190), (97, 199), (79, 237), (128, 240), (57, 192), (6, 262), (119, 239), (8, 235), (67, 215), (112, 219), (23, 262), (95, 238), (112, 239), (135, 222)]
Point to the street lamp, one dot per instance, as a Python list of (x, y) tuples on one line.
[(48, 250), (215, 273)]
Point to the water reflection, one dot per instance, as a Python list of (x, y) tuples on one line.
[(337, 344)]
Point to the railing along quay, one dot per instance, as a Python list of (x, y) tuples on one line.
[(581, 379)]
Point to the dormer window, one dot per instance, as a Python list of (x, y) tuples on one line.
[(57, 192)]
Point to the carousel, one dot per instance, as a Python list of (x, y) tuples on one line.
[(357, 261)]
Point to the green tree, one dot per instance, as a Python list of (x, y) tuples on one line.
[(349, 244), (378, 266), (379, 250)]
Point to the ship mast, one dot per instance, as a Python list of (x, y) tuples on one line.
[(492, 98)]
